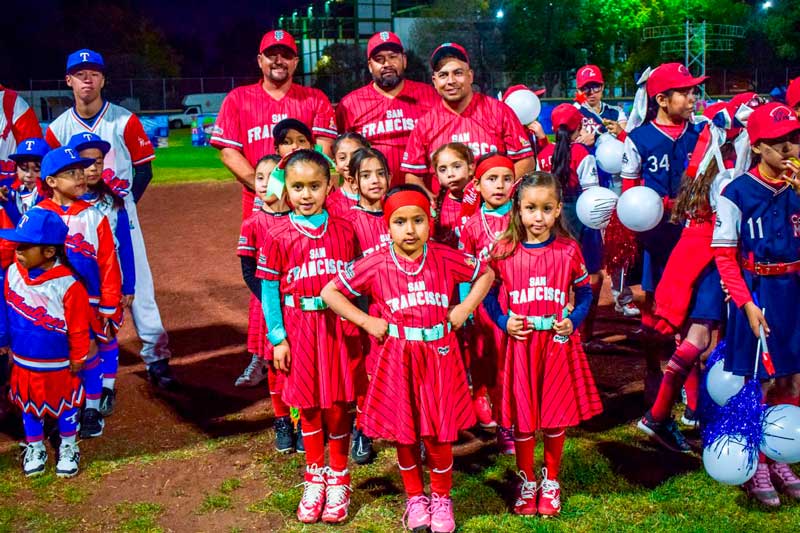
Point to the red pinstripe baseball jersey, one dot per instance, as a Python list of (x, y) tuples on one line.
[(420, 300), (255, 229), (371, 230), (486, 125), (303, 265), (248, 115), (537, 280), (337, 203), (448, 227), (386, 122), (481, 231)]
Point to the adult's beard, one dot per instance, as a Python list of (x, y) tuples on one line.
[(388, 82)]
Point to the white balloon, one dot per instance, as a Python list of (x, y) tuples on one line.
[(721, 384), (781, 440), (603, 137), (525, 104), (640, 208), (595, 206), (727, 461), (609, 154)]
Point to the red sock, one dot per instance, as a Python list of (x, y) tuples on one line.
[(338, 424), (678, 367), (359, 409), (524, 446), (410, 464), (275, 381), (440, 463), (692, 387), (313, 438), (553, 448)]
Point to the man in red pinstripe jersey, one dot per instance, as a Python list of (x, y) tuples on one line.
[(243, 131), (386, 110), (479, 121)]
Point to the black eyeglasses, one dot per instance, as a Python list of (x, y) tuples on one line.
[(591, 89)]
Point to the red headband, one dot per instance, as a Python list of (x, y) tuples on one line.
[(496, 160), (403, 199)]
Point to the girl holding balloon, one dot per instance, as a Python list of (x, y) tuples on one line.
[(576, 170), (757, 250)]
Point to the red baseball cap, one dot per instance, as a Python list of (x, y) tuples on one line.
[(771, 121), (671, 76), (567, 115), (588, 74), (793, 93), (520, 87), (278, 38), (448, 49), (382, 40)]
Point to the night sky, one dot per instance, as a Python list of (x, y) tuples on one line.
[(36, 36)]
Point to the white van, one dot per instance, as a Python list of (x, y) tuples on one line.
[(196, 104)]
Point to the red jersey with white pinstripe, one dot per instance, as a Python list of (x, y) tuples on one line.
[(480, 232), (449, 223), (338, 203), (17, 123), (537, 280), (582, 168), (386, 122), (130, 145), (371, 230), (486, 125)]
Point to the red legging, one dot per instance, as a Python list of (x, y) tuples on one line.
[(440, 463), (275, 381), (338, 422)]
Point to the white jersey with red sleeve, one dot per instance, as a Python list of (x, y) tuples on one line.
[(386, 122), (486, 125), (130, 145), (372, 232), (17, 123), (249, 114)]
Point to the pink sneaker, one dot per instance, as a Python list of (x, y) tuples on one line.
[(550, 497), (785, 480), (337, 496), (760, 487), (505, 441), (526, 497), (483, 412), (310, 507), (417, 517), (442, 519)]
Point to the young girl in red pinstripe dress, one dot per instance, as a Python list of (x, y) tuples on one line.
[(418, 392), (547, 384)]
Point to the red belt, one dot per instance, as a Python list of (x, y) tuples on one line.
[(770, 269)]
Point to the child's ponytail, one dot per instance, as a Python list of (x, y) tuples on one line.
[(562, 155)]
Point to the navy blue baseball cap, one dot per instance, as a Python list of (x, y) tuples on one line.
[(60, 158), (38, 226), (82, 141), (33, 148), (85, 59)]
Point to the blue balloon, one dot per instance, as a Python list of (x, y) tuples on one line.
[(781, 440), (728, 460)]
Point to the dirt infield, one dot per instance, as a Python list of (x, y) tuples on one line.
[(191, 233)]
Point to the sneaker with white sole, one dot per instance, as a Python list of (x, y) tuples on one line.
[(34, 458), (628, 310), (254, 374), (69, 457), (526, 496), (689, 418), (442, 518), (92, 424), (310, 507), (666, 433), (337, 496), (550, 496), (760, 487), (417, 517)]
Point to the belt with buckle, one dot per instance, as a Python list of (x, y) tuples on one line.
[(435, 333), (770, 269), (305, 303)]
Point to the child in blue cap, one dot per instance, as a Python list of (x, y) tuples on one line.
[(44, 325), (27, 190), (107, 196)]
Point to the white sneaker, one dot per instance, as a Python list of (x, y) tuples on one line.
[(254, 374), (69, 455), (628, 310), (34, 458)]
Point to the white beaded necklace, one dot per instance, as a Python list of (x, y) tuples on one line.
[(421, 264), (493, 235), (306, 233)]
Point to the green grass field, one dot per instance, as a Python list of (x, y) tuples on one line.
[(182, 162)]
